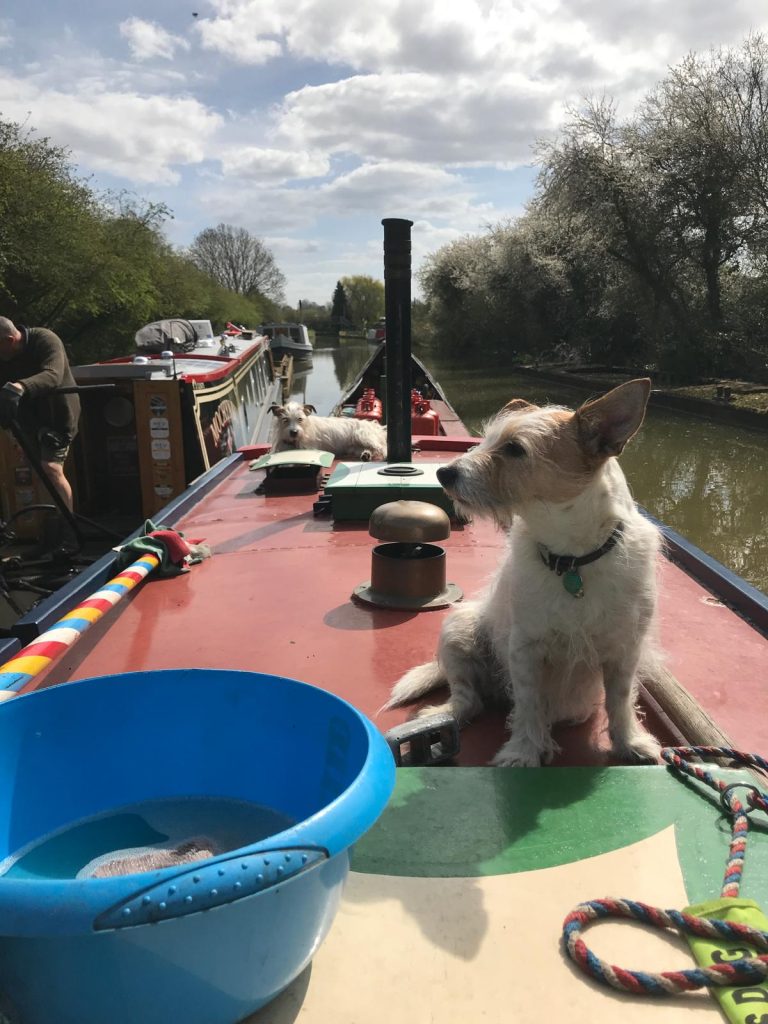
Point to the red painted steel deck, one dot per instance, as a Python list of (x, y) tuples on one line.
[(275, 597)]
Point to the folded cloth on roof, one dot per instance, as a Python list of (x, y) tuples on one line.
[(149, 858), (174, 551)]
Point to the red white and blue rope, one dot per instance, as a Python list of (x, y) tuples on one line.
[(748, 971)]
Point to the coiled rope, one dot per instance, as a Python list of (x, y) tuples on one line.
[(747, 971)]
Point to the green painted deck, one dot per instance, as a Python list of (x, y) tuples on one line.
[(454, 909)]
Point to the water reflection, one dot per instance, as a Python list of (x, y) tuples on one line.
[(334, 368), (706, 480)]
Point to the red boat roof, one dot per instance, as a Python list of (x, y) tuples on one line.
[(275, 597)]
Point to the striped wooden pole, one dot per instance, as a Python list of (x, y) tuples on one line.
[(37, 656)]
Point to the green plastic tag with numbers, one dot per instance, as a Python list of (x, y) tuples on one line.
[(742, 1004)]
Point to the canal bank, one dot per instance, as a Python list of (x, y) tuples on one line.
[(726, 410)]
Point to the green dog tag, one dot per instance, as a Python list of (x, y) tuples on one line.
[(573, 583)]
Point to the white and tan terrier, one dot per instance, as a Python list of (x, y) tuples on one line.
[(298, 426), (569, 614)]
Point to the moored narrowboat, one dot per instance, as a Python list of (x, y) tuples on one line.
[(182, 403)]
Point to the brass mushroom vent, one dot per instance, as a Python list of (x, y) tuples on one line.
[(408, 571)]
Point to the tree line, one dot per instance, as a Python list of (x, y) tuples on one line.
[(357, 302), (95, 266), (646, 243)]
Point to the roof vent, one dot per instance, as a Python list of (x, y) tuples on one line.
[(408, 572)]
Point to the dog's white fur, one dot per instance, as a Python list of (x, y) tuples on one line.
[(298, 426), (549, 476)]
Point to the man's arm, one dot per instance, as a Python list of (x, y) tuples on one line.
[(53, 364)]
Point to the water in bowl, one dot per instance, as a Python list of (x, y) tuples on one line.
[(151, 824)]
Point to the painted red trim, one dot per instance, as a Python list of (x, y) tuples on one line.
[(229, 363), (253, 451), (432, 443), (225, 371)]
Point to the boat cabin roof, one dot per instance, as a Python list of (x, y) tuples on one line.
[(205, 363), (276, 597)]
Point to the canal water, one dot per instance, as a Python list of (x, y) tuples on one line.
[(705, 479)]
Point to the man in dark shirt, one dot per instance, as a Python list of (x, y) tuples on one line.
[(33, 363)]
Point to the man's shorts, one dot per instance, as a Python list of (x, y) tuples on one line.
[(52, 446)]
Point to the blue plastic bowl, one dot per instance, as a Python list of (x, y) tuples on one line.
[(208, 943)]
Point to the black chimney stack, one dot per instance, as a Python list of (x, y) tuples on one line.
[(397, 309)]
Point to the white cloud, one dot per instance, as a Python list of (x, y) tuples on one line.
[(371, 191), (293, 246), (460, 82), (399, 189), (416, 116), (442, 205), (141, 138), (243, 31), (147, 39), (273, 165), (449, 37)]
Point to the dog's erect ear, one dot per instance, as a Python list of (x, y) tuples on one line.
[(606, 424), (518, 404), (277, 410), (309, 409)]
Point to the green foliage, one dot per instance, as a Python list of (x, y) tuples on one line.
[(339, 307), (646, 242), (94, 268), (365, 299)]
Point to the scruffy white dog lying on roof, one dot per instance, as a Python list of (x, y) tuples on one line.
[(298, 426)]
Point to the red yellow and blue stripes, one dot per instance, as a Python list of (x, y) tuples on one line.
[(38, 655)]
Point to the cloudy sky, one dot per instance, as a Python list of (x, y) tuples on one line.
[(308, 121)]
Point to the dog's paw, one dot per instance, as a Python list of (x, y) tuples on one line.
[(514, 755), (641, 748)]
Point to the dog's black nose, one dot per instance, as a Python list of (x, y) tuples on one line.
[(447, 475), (293, 432)]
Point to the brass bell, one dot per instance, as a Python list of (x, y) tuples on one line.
[(408, 571)]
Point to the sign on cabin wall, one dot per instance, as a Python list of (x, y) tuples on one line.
[(160, 442)]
